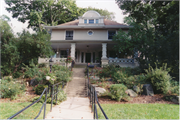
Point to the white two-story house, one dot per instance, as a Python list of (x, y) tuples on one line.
[(87, 40)]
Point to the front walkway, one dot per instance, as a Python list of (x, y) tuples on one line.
[(77, 105)]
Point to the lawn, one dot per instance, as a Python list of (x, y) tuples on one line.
[(9, 109), (140, 111)]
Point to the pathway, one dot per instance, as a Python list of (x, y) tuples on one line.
[(77, 105)]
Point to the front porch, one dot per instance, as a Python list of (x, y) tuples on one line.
[(88, 52)]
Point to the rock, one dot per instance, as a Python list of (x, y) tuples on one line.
[(131, 93), (147, 90), (27, 84), (175, 99), (136, 89), (33, 82), (100, 90)]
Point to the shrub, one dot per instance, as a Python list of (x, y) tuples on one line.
[(159, 78), (118, 92), (16, 74), (119, 77), (41, 65), (39, 89), (174, 87), (61, 97), (11, 88)]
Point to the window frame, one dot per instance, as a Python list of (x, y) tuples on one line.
[(91, 20), (110, 36), (69, 35)]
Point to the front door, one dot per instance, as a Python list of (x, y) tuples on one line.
[(88, 57)]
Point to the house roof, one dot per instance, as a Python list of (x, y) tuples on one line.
[(74, 25), (106, 22)]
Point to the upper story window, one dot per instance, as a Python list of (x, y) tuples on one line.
[(69, 35), (97, 20), (111, 34), (85, 20), (91, 21)]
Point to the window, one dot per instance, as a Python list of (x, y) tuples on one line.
[(111, 34), (90, 32), (97, 21), (69, 35), (85, 21), (63, 54), (91, 21)]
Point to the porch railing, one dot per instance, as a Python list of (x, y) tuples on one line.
[(94, 99), (46, 91), (120, 60)]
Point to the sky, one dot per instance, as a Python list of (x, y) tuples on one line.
[(109, 5)]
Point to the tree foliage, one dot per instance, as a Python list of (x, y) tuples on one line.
[(21, 49), (48, 12), (155, 32)]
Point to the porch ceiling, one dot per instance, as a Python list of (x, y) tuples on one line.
[(82, 46)]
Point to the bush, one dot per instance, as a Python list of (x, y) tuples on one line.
[(118, 92), (61, 97), (159, 78), (11, 88), (39, 89), (16, 74), (41, 65), (174, 87)]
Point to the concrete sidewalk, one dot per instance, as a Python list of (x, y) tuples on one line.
[(77, 105)]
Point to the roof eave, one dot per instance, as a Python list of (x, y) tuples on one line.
[(84, 27)]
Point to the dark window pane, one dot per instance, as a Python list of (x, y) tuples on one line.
[(111, 34), (63, 54), (69, 35), (91, 21)]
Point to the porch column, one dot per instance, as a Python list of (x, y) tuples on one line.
[(73, 46), (84, 57), (104, 50), (104, 59)]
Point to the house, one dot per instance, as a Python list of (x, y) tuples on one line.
[(86, 40)]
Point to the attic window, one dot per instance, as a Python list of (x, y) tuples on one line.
[(85, 21), (97, 20), (91, 21)]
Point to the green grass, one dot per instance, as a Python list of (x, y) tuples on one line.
[(9, 109), (140, 111)]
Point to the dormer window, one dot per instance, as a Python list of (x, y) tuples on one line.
[(85, 21), (97, 20), (91, 21)]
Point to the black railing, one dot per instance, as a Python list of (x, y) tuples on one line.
[(53, 96), (94, 99)]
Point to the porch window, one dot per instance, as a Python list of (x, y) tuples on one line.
[(64, 54), (91, 21), (69, 35), (111, 34)]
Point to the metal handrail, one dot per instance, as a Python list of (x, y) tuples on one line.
[(33, 104), (94, 99), (44, 104)]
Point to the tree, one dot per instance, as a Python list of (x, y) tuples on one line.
[(48, 12), (22, 49), (154, 33)]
